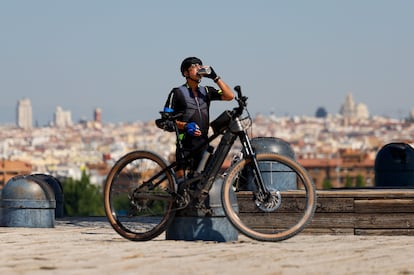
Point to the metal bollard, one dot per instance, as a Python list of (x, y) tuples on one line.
[(191, 224), (27, 202), (56, 185)]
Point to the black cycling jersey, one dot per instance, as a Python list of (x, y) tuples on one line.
[(194, 109)]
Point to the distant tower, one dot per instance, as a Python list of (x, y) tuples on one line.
[(362, 111), (24, 113), (98, 115), (352, 111), (62, 118), (348, 107)]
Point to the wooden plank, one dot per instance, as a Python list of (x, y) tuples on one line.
[(366, 193), (320, 220), (384, 232), (291, 194), (290, 203), (335, 205), (274, 220), (328, 231), (385, 221), (295, 204), (384, 206), (333, 220)]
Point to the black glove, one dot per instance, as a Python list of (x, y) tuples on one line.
[(165, 125), (211, 75)]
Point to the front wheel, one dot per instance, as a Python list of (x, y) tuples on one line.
[(279, 214), (138, 196)]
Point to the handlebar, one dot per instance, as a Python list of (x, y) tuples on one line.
[(238, 90), (241, 100), (170, 116)]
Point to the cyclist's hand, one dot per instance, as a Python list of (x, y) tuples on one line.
[(193, 129), (211, 75)]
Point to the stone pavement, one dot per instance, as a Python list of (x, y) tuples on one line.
[(91, 246)]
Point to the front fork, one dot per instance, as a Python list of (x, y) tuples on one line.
[(264, 199), (250, 155)]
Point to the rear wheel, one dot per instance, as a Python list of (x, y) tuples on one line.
[(277, 215), (138, 196)]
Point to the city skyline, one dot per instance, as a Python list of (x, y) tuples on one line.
[(289, 57), (65, 151), (63, 117)]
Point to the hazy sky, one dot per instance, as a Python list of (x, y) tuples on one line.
[(290, 57)]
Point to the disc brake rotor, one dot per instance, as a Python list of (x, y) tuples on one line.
[(268, 202)]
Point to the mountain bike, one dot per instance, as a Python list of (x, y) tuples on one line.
[(142, 193)]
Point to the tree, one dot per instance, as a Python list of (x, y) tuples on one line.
[(321, 112), (326, 184), (82, 198), (348, 182), (360, 182)]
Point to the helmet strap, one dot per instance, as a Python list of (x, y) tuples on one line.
[(195, 80)]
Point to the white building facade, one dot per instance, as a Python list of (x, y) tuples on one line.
[(24, 114)]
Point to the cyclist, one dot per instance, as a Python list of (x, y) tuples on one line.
[(193, 101)]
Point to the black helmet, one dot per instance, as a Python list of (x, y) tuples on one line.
[(188, 62)]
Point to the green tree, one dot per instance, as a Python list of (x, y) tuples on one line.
[(348, 182), (82, 198), (360, 182), (326, 184)]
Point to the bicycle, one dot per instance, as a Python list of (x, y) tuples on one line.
[(141, 197)]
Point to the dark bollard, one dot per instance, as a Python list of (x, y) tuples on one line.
[(191, 224), (273, 145), (394, 166), (27, 202)]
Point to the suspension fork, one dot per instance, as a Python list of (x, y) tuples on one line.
[(250, 155)]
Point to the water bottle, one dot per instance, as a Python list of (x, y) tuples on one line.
[(204, 159), (204, 71)]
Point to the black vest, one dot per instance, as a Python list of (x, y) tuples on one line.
[(197, 107)]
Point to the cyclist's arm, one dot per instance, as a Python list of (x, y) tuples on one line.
[(227, 93), (180, 124)]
